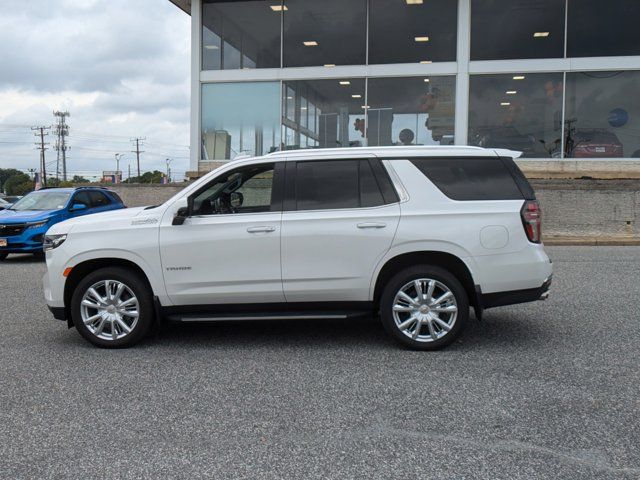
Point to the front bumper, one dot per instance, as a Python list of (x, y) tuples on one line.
[(29, 241)]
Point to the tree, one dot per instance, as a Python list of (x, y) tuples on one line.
[(5, 174), (79, 179), (148, 177), (19, 184)]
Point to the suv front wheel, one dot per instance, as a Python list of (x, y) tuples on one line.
[(112, 307), (424, 307)]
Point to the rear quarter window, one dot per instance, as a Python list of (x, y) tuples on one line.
[(484, 178)]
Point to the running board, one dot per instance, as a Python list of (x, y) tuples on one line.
[(195, 318)]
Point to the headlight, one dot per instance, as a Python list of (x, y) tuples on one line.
[(53, 241), (37, 224)]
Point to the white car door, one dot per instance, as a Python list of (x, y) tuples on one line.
[(340, 219), (227, 250)]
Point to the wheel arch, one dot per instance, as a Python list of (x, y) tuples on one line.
[(82, 269), (448, 261)]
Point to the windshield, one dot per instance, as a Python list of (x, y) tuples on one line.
[(42, 201)]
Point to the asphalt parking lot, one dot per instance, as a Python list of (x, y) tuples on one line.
[(544, 390)]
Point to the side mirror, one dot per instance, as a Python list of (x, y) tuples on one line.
[(181, 209), (76, 207), (236, 199)]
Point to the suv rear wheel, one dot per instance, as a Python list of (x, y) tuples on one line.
[(424, 307), (3, 256), (112, 307)]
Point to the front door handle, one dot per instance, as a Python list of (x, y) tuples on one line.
[(261, 229), (372, 225)]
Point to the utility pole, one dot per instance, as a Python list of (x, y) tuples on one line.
[(118, 158), (129, 176), (42, 147), (137, 151), (62, 131), (169, 170)]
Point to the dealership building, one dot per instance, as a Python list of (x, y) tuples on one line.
[(558, 80)]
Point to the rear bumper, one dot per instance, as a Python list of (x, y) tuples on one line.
[(512, 297)]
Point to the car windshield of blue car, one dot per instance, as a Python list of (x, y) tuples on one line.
[(42, 201)]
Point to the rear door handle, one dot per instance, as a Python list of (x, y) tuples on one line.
[(261, 229), (372, 225)]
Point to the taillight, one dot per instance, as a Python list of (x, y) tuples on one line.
[(532, 220)]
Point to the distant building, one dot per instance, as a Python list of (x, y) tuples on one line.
[(552, 78)]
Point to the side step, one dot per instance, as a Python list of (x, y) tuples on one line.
[(221, 317)]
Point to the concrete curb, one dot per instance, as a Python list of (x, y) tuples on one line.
[(593, 241)]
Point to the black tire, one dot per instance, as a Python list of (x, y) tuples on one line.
[(3, 256), (39, 255), (408, 275), (140, 288)]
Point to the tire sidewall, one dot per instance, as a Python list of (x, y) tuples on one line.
[(423, 271), (141, 290)]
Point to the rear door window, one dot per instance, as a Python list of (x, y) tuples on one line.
[(336, 184), (483, 178), (98, 199)]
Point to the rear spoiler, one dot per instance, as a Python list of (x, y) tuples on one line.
[(503, 152)]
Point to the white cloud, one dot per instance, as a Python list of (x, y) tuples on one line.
[(120, 67)]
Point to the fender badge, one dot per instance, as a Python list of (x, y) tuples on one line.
[(144, 221)]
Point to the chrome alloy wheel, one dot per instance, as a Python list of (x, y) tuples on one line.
[(109, 310), (425, 310)]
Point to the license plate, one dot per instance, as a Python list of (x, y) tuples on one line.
[(600, 149), (3, 242)]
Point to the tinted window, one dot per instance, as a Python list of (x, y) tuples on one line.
[(327, 185), (412, 32), (337, 184), (82, 198), (370, 195), (504, 29), (98, 199), (470, 178), (597, 29), (326, 33)]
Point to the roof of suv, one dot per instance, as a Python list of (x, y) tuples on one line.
[(73, 189), (398, 151)]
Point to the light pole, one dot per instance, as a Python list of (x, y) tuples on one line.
[(169, 170), (119, 157)]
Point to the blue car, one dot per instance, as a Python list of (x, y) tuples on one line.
[(23, 225)]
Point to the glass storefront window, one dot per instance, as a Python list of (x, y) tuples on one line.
[(411, 111), (404, 32), (326, 33), (329, 113), (508, 29), (602, 115), (520, 112), (243, 34), (240, 118), (596, 28)]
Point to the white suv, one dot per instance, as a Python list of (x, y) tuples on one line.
[(418, 234)]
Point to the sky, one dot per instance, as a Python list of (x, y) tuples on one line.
[(120, 67)]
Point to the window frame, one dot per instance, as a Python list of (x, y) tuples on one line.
[(276, 190), (387, 191)]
